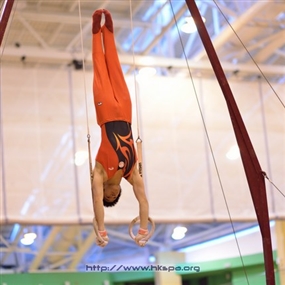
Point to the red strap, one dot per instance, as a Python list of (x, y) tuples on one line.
[(103, 233), (143, 231)]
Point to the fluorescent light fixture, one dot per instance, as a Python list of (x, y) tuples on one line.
[(14, 232), (28, 238), (26, 241), (80, 157), (32, 236), (179, 233), (190, 27), (233, 153)]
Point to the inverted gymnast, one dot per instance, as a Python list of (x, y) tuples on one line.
[(116, 157)]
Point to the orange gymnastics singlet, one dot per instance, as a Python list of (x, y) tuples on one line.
[(113, 107)]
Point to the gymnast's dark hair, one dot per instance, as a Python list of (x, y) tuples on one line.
[(113, 203)]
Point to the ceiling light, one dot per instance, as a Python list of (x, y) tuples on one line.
[(151, 259), (233, 153), (179, 233), (80, 157), (26, 241), (28, 238), (190, 26)]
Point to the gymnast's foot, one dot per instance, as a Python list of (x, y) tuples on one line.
[(108, 20), (96, 25)]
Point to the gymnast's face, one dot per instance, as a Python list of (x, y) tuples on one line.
[(111, 192)]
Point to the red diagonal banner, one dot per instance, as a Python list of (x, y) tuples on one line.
[(253, 171), (7, 8)]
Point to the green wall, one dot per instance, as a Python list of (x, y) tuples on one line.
[(73, 278), (249, 270)]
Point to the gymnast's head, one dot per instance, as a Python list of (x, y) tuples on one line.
[(112, 193)]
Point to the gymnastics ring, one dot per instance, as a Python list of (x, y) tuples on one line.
[(100, 239), (149, 235)]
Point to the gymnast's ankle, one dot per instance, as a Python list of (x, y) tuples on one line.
[(108, 20), (96, 25)]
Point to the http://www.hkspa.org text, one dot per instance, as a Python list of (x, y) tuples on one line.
[(155, 268)]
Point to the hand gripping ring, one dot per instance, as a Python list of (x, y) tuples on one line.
[(100, 239), (135, 220)]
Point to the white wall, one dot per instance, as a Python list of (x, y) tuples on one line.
[(40, 183)]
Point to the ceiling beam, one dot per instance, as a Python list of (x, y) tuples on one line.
[(89, 241), (44, 248), (73, 19), (59, 263), (241, 22), (222, 7), (11, 247), (210, 234), (33, 32), (277, 41), (165, 29), (33, 54)]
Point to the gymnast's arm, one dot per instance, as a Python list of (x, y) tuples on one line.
[(139, 191), (97, 195)]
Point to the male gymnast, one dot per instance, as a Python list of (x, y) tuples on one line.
[(116, 157)]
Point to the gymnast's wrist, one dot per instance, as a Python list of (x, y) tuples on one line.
[(103, 233), (143, 231)]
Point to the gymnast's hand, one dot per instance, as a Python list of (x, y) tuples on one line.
[(141, 237), (103, 241)]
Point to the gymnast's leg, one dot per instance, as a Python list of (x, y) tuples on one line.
[(102, 88), (116, 75)]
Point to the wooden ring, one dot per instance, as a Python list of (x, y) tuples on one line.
[(135, 220)]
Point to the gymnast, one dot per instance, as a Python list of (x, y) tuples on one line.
[(116, 157)]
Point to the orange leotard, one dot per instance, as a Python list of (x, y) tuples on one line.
[(111, 95), (113, 107)]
